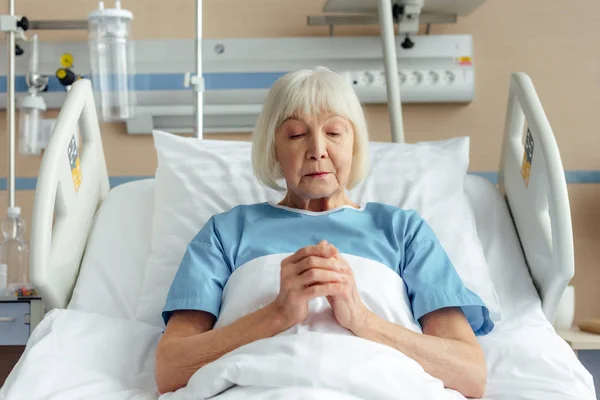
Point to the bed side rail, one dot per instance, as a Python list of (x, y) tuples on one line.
[(69, 190), (533, 182)]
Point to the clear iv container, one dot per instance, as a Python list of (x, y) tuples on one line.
[(112, 62), (32, 106), (30, 124), (14, 253)]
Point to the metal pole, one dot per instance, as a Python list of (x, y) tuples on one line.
[(10, 109), (199, 84), (386, 21)]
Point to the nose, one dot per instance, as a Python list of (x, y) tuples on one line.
[(317, 148)]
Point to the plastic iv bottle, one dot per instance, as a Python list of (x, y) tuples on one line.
[(112, 62), (14, 253), (32, 106), (30, 142)]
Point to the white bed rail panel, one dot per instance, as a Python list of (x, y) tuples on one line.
[(533, 182), (64, 206)]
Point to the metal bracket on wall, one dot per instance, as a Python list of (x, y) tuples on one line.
[(373, 19), (365, 12)]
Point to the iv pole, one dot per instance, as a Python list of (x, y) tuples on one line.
[(11, 30), (10, 109), (198, 80)]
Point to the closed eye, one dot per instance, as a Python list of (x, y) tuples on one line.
[(333, 134), (297, 136)]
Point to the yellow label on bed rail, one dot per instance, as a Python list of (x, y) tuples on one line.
[(75, 164), (465, 61), (527, 158)]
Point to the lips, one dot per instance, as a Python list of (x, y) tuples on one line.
[(317, 174)]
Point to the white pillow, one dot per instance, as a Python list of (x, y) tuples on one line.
[(112, 270), (196, 179)]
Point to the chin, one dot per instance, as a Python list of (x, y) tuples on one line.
[(319, 193)]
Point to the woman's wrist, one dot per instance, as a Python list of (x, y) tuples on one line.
[(277, 317), (363, 322)]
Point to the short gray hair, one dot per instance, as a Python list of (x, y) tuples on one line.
[(308, 92)]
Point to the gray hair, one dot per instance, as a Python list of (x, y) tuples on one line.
[(308, 92)]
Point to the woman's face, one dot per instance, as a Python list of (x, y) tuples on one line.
[(315, 153)]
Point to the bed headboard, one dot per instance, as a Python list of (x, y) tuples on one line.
[(69, 189), (533, 182)]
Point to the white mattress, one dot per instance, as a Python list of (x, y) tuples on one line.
[(516, 292), (75, 353)]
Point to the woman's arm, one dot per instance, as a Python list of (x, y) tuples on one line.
[(448, 349), (189, 342)]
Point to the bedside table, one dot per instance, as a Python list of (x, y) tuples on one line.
[(580, 340), (18, 318)]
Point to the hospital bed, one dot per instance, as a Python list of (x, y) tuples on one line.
[(98, 350), (525, 232)]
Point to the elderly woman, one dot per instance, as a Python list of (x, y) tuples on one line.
[(312, 133)]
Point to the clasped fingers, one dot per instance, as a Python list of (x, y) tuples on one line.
[(319, 276), (316, 262)]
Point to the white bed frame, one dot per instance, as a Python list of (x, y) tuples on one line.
[(541, 211), (62, 218)]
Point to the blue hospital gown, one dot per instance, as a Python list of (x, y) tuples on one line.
[(397, 238)]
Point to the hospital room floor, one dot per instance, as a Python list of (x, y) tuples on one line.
[(9, 355)]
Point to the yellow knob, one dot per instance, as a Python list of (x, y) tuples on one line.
[(61, 74), (66, 60)]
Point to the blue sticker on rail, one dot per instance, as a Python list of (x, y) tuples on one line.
[(572, 177), (174, 82)]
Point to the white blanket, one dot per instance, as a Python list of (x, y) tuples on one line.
[(317, 353), (340, 364), (74, 355)]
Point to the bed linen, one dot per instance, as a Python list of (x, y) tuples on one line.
[(84, 354), (75, 354)]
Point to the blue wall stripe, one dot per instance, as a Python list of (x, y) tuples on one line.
[(572, 177), (20, 183), (30, 183), (255, 80), (582, 176), (174, 82)]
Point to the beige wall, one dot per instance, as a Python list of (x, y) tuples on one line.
[(554, 42)]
